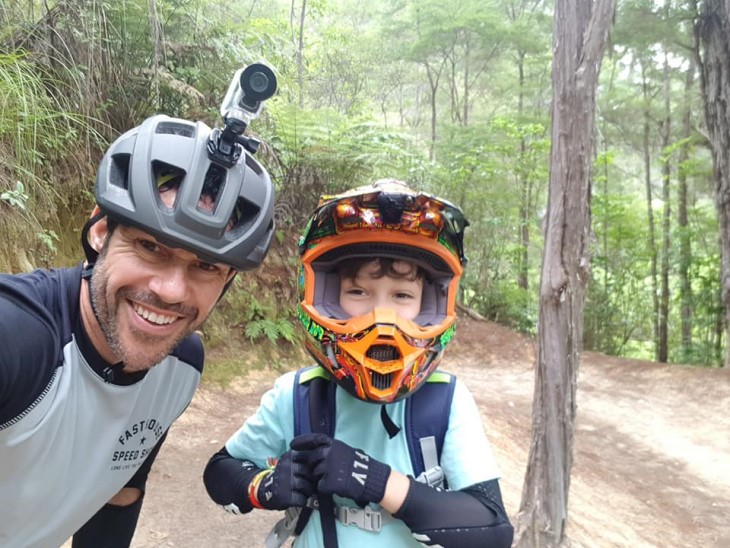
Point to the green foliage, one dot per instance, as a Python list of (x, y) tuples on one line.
[(618, 303), (256, 309), (273, 330), (496, 173), (322, 151), (381, 87), (35, 126), (505, 303), (15, 197)]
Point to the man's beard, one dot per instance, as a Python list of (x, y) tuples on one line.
[(136, 356)]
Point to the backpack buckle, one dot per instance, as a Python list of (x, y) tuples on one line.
[(363, 518), (433, 477)]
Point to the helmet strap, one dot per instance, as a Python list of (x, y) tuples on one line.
[(92, 255), (227, 287)]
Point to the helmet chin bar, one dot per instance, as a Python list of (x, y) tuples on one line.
[(383, 363)]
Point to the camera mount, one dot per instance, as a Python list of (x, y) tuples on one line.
[(250, 87)]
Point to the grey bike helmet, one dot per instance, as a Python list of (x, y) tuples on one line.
[(223, 214)]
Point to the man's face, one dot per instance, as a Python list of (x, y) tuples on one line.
[(148, 296)]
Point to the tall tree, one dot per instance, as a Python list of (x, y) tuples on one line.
[(580, 33), (665, 130), (713, 32), (297, 29), (685, 242), (648, 94), (526, 33)]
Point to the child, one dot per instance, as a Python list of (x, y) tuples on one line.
[(334, 445)]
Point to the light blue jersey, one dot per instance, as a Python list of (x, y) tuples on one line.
[(466, 457)]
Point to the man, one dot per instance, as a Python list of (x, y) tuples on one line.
[(97, 361)]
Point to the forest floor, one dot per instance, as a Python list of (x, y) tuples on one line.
[(651, 456)]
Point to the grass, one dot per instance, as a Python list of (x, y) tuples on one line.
[(237, 358)]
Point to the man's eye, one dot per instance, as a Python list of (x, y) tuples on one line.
[(148, 245), (208, 267)]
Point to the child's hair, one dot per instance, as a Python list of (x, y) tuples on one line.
[(348, 270)]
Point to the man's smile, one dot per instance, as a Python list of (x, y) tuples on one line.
[(153, 317)]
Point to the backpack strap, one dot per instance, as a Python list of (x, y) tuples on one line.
[(314, 381), (314, 411), (427, 420), (322, 421)]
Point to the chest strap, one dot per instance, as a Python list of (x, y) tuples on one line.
[(362, 518)]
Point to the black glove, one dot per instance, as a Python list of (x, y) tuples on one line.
[(341, 470), (290, 483)]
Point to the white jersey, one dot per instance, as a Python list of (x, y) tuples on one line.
[(69, 439)]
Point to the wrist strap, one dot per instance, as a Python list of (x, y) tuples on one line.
[(253, 488)]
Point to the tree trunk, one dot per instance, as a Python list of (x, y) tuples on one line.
[(156, 33), (713, 32), (300, 46), (666, 133), (685, 246), (525, 194), (650, 217), (433, 81), (579, 37)]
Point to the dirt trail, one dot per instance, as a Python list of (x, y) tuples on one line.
[(651, 464)]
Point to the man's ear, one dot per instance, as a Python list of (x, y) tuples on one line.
[(98, 231)]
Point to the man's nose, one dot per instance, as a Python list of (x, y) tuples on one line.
[(171, 283)]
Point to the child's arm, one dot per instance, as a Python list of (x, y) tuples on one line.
[(255, 468), (227, 479), (473, 516), (240, 486), (396, 491)]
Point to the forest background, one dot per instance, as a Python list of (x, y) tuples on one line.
[(452, 97)]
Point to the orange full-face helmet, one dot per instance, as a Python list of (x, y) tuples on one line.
[(379, 356)]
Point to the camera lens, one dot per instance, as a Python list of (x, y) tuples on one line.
[(258, 82)]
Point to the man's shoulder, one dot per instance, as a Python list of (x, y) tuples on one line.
[(37, 314), (42, 280), (191, 351)]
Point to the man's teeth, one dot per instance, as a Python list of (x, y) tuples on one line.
[(153, 317)]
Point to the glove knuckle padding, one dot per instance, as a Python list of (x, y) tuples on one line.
[(345, 471), (288, 484)]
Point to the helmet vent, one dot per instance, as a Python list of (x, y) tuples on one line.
[(119, 172), (383, 353), (379, 381), (173, 128)]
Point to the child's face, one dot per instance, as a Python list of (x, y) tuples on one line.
[(366, 291)]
